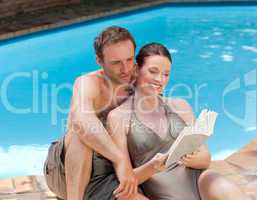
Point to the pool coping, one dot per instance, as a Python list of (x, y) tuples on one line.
[(78, 20), (112, 12)]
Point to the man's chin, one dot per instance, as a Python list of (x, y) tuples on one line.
[(121, 81), (125, 80)]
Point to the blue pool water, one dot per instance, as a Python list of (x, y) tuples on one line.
[(214, 52)]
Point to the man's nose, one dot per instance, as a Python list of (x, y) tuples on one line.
[(124, 68)]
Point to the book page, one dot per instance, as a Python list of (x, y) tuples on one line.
[(192, 137), (188, 144)]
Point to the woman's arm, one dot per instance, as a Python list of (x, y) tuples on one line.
[(201, 158), (117, 126)]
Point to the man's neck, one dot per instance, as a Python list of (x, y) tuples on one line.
[(117, 89)]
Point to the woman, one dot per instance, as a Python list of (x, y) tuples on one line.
[(146, 125)]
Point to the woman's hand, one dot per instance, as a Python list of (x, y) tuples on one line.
[(199, 159), (190, 160), (158, 162)]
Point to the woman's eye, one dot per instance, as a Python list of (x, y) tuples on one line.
[(153, 72)]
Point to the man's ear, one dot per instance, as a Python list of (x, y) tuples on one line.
[(99, 61), (135, 73), (136, 70)]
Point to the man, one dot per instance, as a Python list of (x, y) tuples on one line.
[(68, 166)]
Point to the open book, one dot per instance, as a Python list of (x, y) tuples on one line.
[(192, 137)]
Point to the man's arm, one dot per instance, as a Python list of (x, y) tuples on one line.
[(85, 123)]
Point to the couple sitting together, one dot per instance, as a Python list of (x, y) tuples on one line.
[(120, 128)]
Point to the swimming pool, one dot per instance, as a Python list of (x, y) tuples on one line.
[(214, 52)]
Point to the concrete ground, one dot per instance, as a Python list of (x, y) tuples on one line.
[(64, 15)]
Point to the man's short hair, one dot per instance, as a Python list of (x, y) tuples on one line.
[(111, 35)]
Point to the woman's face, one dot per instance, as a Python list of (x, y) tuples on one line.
[(154, 74)]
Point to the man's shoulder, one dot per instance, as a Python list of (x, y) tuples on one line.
[(90, 77), (95, 73), (89, 84)]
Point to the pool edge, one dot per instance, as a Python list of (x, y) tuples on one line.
[(119, 11)]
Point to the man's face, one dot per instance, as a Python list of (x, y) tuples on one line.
[(118, 61)]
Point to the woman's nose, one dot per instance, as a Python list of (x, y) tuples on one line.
[(158, 78)]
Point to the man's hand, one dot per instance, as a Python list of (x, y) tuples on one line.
[(128, 182), (158, 162)]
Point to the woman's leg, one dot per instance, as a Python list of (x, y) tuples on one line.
[(213, 186), (78, 166)]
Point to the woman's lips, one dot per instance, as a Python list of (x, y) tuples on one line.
[(156, 86)]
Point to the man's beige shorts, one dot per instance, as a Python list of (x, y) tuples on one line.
[(54, 171)]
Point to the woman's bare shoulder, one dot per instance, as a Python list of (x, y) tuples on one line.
[(177, 103), (181, 107), (123, 111), (120, 117)]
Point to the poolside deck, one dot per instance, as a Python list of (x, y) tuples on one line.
[(241, 167), (59, 16)]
